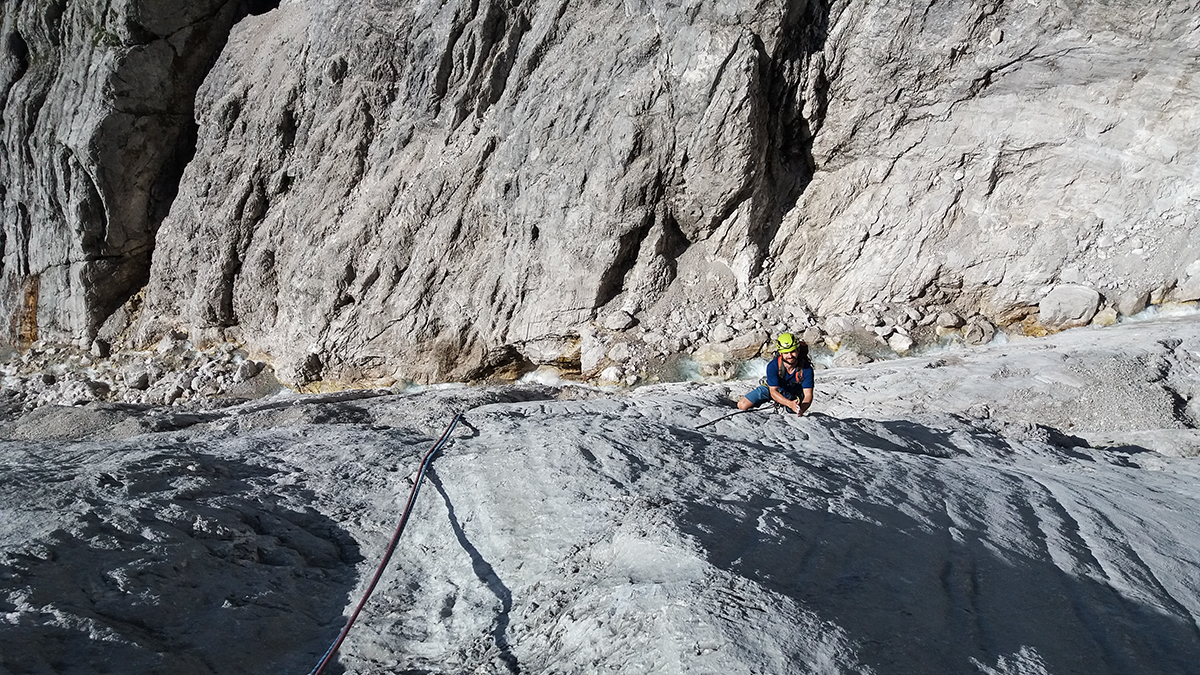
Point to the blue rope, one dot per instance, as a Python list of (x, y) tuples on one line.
[(412, 498)]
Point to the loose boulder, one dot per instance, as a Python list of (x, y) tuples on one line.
[(979, 332), (747, 345), (611, 375), (721, 333), (900, 343), (1068, 306), (949, 320), (1106, 317), (619, 320), (846, 358), (592, 349), (1131, 302), (246, 371), (1189, 284), (839, 326), (620, 352)]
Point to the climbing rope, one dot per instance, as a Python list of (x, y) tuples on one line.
[(412, 499), (725, 417), (774, 408)]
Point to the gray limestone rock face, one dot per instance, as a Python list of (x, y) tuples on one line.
[(437, 191), (993, 146), (472, 175), (1067, 306), (96, 100), (1189, 285)]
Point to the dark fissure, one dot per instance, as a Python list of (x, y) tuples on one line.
[(176, 159)]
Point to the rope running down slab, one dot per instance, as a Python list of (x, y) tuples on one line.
[(412, 499)]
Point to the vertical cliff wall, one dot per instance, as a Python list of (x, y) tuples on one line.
[(435, 186), (97, 111), (998, 148), (435, 191)]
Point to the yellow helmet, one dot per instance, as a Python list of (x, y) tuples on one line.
[(786, 343)]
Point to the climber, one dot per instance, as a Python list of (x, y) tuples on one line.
[(789, 380)]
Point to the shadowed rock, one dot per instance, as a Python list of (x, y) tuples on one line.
[(98, 124)]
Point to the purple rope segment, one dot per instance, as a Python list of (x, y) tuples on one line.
[(412, 499)]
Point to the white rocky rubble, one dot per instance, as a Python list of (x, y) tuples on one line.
[(175, 373)]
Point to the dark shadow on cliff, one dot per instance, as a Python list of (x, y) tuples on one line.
[(785, 76), (167, 154)]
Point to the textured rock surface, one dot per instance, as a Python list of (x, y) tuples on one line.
[(1010, 509), (172, 374), (1189, 287), (993, 149), (1068, 306), (97, 106), (383, 192), (471, 177)]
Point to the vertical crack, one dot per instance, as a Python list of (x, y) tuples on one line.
[(612, 281), (16, 60), (794, 99)]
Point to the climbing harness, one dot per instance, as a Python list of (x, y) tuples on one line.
[(412, 498)]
